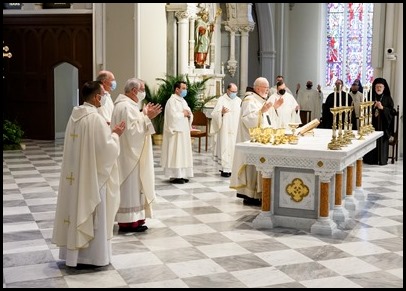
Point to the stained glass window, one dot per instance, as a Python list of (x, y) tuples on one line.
[(349, 43)]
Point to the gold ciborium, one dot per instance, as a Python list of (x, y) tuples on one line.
[(293, 139)]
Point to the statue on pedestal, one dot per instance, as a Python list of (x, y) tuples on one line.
[(203, 33)]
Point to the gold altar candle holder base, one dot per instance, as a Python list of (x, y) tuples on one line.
[(334, 145)]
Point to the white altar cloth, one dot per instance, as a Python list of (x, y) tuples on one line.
[(312, 163)]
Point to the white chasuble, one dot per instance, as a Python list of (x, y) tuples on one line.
[(89, 170)]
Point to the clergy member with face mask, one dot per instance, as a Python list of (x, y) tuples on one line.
[(224, 126), (285, 108), (310, 99), (357, 98), (177, 157), (109, 84), (88, 193), (137, 186)]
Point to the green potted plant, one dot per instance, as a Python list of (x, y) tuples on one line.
[(12, 135), (165, 91)]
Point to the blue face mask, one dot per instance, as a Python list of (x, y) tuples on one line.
[(183, 93), (113, 85), (233, 95)]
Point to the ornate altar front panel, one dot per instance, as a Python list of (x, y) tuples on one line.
[(295, 192)]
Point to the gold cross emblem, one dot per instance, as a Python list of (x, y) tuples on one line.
[(70, 178), (74, 135)]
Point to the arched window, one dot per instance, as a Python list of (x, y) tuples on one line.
[(349, 43)]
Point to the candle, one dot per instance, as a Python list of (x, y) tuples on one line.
[(346, 97), (339, 94), (370, 93), (335, 97)]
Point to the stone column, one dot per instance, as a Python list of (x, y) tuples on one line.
[(192, 43), (232, 62), (244, 56), (324, 225), (324, 204), (239, 18), (359, 193), (265, 219), (183, 37), (340, 214), (350, 203), (266, 193)]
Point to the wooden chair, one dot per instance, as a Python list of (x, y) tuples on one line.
[(202, 122), (393, 141), (305, 116)]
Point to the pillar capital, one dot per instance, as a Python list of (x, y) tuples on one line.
[(324, 176), (247, 28)]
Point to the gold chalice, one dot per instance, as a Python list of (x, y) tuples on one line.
[(294, 138)]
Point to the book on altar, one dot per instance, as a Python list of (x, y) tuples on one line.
[(308, 126)]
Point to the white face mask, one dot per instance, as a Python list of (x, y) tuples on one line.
[(140, 96), (113, 85), (233, 95)]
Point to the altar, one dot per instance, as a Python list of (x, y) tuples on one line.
[(297, 180)]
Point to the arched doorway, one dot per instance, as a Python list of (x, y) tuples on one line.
[(66, 92)]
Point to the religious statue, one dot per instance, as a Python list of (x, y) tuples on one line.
[(203, 36), (203, 32)]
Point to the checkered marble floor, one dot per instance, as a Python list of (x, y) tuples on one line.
[(201, 236)]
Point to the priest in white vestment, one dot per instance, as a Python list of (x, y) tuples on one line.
[(136, 161), (224, 125), (357, 98), (177, 158), (285, 108), (273, 89), (310, 99), (254, 113), (88, 195), (109, 84)]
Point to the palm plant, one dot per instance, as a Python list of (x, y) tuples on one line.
[(12, 135), (165, 91)]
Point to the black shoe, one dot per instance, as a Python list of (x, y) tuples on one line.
[(139, 228), (177, 181), (186, 180), (125, 229), (252, 202), (87, 266), (225, 174)]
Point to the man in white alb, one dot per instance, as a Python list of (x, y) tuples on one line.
[(135, 162), (285, 108), (310, 99), (357, 98), (273, 88), (224, 125), (177, 158), (254, 113), (88, 194), (109, 84)]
